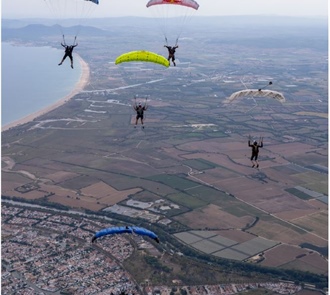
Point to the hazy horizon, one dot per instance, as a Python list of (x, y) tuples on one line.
[(316, 8)]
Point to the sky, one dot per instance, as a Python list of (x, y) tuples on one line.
[(116, 8)]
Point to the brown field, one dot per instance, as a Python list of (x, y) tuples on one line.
[(283, 175), (282, 254), (212, 176), (109, 196), (212, 146), (74, 203), (257, 194), (279, 203), (316, 222), (212, 216), (100, 190), (9, 181), (285, 255), (61, 176), (293, 214), (31, 195), (57, 190), (310, 177), (316, 261), (277, 232), (114, 199), (318, 204), (291, 148), (38, 171), (174, 152)]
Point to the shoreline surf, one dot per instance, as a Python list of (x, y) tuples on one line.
[(80, 85)]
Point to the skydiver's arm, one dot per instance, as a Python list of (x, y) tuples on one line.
[(250, 143), (75, 45), (63, 44), (261, 144)]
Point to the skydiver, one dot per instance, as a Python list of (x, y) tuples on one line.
[(255, 151), (139, 112), (68, 53), (171, 53)]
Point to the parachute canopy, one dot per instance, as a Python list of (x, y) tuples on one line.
[(142, 56), (256, 93), (126, 229), (69, 15), (171, 16), (189, 3)]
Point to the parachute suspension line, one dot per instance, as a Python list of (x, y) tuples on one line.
[(166, 39), (270, 83), (84, 11), (55, 9), (187, 15)]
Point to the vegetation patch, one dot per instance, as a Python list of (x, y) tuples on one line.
[(298, 193)]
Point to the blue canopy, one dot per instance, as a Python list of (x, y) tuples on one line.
[(125, 229)]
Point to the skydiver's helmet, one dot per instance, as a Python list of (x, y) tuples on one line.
[(255, 142), (140, 105)]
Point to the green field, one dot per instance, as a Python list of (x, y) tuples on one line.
[(186, 200), (199, 164)]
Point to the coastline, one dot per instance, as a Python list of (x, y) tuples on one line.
[(80, 85)]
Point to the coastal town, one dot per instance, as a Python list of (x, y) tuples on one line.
[(46, 252)]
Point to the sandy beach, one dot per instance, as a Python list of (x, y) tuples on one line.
[(81, 84)]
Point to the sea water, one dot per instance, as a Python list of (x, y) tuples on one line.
[(32, 80)]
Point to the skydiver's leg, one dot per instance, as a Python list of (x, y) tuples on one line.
[(142, 122), (173, 60), (256, 160), (64, 57), (253, 163), (71, 61), (62, 60)]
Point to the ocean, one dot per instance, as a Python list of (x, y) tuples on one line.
[(32, 80)]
